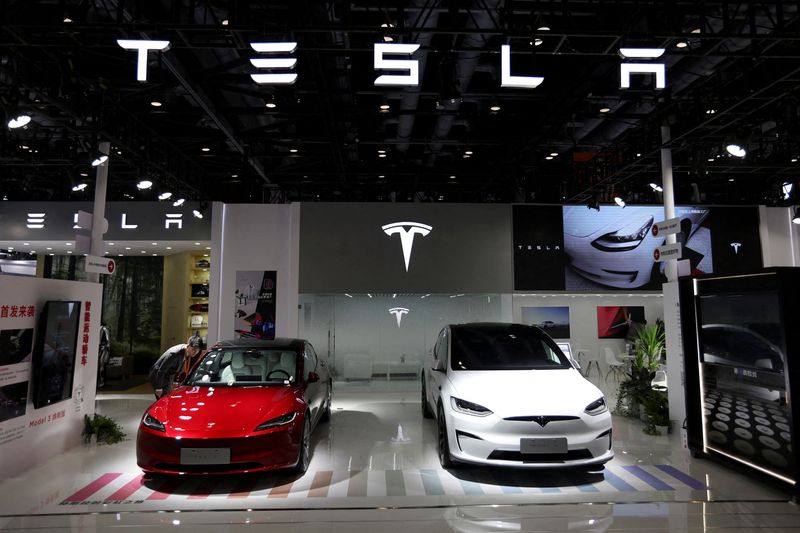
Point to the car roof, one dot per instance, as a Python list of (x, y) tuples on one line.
[(278, 343), (493, 327)]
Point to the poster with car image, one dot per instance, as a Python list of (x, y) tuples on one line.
[(552, 320), (617, 322), (255, 304)]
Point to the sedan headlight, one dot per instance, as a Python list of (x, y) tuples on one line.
[(469, 408), (624, 239), (597, 407), (276, 422), (153, 423)]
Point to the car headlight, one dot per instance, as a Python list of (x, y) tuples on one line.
[(276, 422), (153, 423), (597, 407), (624, 239), (469, 408)]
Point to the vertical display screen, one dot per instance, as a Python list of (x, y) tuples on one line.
[(54, 352)]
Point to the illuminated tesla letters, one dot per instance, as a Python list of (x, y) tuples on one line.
[(142, 46), (507, 80), (411, 65), (274, 63), (626, 69), (407, 232)]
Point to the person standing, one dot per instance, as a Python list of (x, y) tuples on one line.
[(174, 365)]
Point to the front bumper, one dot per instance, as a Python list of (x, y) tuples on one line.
[(273, 449), (492, 440)]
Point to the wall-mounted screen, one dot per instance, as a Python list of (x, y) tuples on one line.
[(54, 352), (552, 320)]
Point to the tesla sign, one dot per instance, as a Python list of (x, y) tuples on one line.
[(276, 59), (407, 232)]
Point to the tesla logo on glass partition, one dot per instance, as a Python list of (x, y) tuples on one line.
[(736, 246), (407, 231), (398, 313)]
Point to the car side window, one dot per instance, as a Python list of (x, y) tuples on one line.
[(309, 360), (440, 352)]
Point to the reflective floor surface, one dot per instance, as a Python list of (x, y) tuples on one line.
[(374, 468)]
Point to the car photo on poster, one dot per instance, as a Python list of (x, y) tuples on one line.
[(613, 247)]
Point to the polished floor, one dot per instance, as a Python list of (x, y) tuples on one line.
[(374, 468)]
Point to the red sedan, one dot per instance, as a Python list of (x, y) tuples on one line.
[(248, 405)]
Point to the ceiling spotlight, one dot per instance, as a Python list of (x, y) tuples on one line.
[(656, 187), (271, 104), (468, 152), (381, 155), (205, 149), (452, 177), (381, 176), (736, 150), (19, 121), (710, 160), (99, 159), (796, 217), (155, 103), (144, 185), (225, 22), (385, 107), (543, 28), (467, 156), (79, 187), (711, 111), (638, 154), (794, 160), (197, 214), (537, 42), (67, 20), (179, 202), (381, 151), (549, 157), (293, 150), (681, 44), (387, 38), (165, 196), (605, 109), (554, 154), (619, 201), (495, 108)]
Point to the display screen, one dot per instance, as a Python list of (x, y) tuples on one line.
[(742, 330), (54, 352)]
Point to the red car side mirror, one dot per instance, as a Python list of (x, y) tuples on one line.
[(313, 377)]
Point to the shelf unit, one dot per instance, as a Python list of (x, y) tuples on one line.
[(181, 271), (198, 275)]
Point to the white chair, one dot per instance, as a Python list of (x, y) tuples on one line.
[(659, 382), (587, 365), (615, 366)]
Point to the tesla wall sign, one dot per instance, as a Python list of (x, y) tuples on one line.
[(398, 312), (43, 221), (276, 66), (407, 232)]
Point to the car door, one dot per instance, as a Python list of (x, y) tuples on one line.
[(433, 385), (313, 391)]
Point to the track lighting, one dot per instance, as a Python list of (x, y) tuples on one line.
[(19, 121), (144, 185), (99, 158), (179, 202), (736, 150), (165, 196), (656, 187), (619, 201)]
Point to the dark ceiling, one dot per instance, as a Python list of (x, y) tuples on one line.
[(736, 79)]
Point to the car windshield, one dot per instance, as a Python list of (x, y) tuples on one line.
[(504, 348), (242, 367)]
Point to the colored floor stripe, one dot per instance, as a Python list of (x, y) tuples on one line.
[(647, 477), (243, 487), (281, 489), (470, 487), (683, 478), (167, 488), (205, 488), (395, 484), (550, 490), (320, 484), (617, 482), (127, 489), (432, 483), (358, 484), (587, 487), (93, 487)]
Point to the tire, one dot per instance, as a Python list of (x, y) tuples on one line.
[(426, 409), (443, 442), (304, 456), (326, 414)]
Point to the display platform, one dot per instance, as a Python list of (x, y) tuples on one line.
[(376, 452)]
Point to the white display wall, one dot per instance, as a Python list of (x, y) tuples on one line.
[(583, 325), (362, 337), (31, 436)]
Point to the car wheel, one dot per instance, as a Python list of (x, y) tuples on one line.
[(426, 409), (304, 456), (443, 443), (326, 414)]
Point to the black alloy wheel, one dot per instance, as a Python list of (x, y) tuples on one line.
[(443, 442), (426, 409), (326, 413), (304, 457)]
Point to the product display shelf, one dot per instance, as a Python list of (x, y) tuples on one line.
[(197, 320)]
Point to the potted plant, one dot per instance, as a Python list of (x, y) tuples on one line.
[(635, 388), (656, 409), (104, 429)]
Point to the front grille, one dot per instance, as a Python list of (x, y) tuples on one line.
[(571, 455), (547, 419), (171, 467)]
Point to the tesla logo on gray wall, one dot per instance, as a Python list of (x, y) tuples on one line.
[(398, 312), (407, 231), (736, 246)]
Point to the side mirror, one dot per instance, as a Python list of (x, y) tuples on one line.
[(313, 377), (438, 365)]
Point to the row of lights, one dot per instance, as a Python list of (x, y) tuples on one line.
[(127, 248)]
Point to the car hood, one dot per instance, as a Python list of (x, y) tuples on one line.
[(583, 222), (218, 412), (526, 392)]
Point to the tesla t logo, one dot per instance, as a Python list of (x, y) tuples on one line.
[(736, 246), (398, 312), (407, 231), (541, 420)]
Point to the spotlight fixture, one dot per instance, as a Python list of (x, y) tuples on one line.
[(385, 107), (387, 38), (681, 44), (736, 150), (99, 159), (67, 20), (468, 152), (711, 111), (605, 109), (452, 177), (271, 103), (787, 188), (19, 121), (225, 22), (495, 108), (165, 196), (619, 201), (537, 41), (656, 187), (381, 176), (554, 154), (543, 28), (293, 150), (179, 202), (205, 149), (197, 214), (796, 217), (144, 185), (549, 157), (155, 103), (79, 187)]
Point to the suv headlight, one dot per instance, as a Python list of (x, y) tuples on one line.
[(597, 407), (153, 423), (276, 422), (625, 238), (468, 408)]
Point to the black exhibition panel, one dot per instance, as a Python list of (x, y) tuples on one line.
[(740, 354)]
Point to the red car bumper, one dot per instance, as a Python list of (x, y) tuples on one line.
[(157, 452)]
